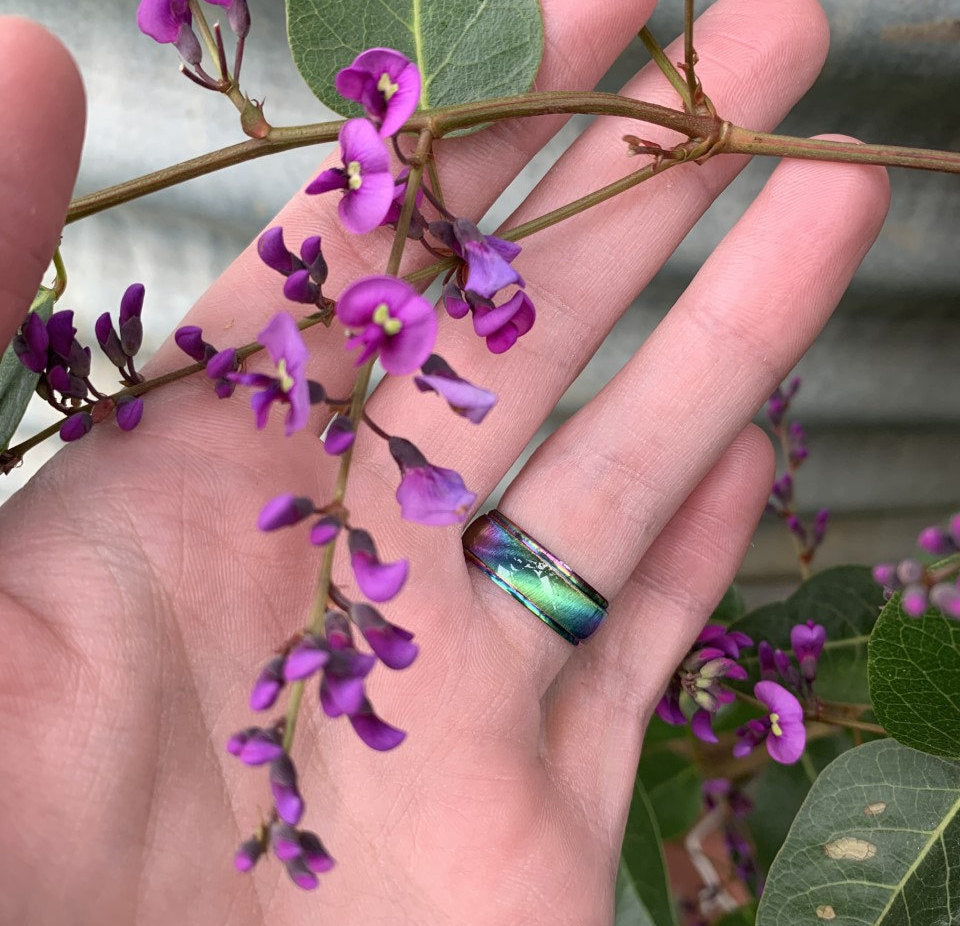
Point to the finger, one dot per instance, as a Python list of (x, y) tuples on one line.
[(583, 273), (235, 308), (620, 675), (621, 467), (43, 118)]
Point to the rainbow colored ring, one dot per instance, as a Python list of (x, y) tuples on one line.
[(543, 584)]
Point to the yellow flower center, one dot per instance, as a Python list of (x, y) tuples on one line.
[(775, 727), (381, 317), (386, 86), (286, 380), (354, 179)]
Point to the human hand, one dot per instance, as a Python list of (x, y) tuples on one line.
[(139, 602)]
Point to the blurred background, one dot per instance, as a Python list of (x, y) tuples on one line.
[(880, 394)]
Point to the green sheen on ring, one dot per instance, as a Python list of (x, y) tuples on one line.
[(529, 572)]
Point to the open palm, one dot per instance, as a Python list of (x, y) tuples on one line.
[(137, 601)]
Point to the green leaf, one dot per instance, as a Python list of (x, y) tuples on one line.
[(731, 607), (630, 910), (642, 862), (17, 383), (673, 785), (877, 841), (914, 673), (780, 792), (466, 51), (742, 916), (846, 601)]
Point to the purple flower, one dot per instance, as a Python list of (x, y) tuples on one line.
[(313, 853), (702, 727), (286, 796), (378, 581), (374, 731), (300, 874), (255, 746), (503, 325), (131, 328), (247, 854), (391, 643), (807, 642), (74, 427), (914, 600), (238, 16), (668, 707), (340, 436), (282, 340), (285, 841), (341, 690), (31, 343), (768, 666), (129, 412), (385, 83), (463, 397), (284, 510), (109, 340), (782, 729), (189, 339), (305, 274), (307, 657), (729, 642), (290, 843), (219, 366), (946, 597), (388, 316), (324, 531), (168, 22), (429, 494), (268, 685), (365, 178), (779, 402), (488, 257)]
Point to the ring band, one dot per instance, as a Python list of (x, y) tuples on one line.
[(540, 581)]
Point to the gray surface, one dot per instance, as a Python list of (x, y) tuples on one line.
[(880, 401)]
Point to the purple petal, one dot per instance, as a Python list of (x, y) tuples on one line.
[(129, 412), (324, 182), (376, 733), (161, 19), (285, 841), (284, 510), (75, 426), (340, 436), (268, 685), (309, 655), (34, 331), (324, 531), (262, 746), (247, 854), (360, 141), (131, 303), (434, 495), (314, 855), (391, 643), (807, 640), (362, 210), (300, 874), (298, 287), (378, 581), (283, 785), (189, 339), (361, 82), (61, 332), (668, 710), (472, 402), (454, 302), (222, 363), (700, 724), (406, 351), (274, 253)]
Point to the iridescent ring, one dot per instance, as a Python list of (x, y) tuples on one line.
[(540, 581)]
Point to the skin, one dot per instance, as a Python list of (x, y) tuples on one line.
[(138, 602)]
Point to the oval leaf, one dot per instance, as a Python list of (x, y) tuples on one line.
[(466, 51), (642, 866), (16, 381), (846, 601), (877, 841), (914, 674)]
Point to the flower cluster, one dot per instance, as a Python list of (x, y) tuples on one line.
[(170, 22), (793, 442), (51, 350), (696, 692), (721, 795), (923, 586)]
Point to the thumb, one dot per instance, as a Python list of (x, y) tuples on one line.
[(42, 113)]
